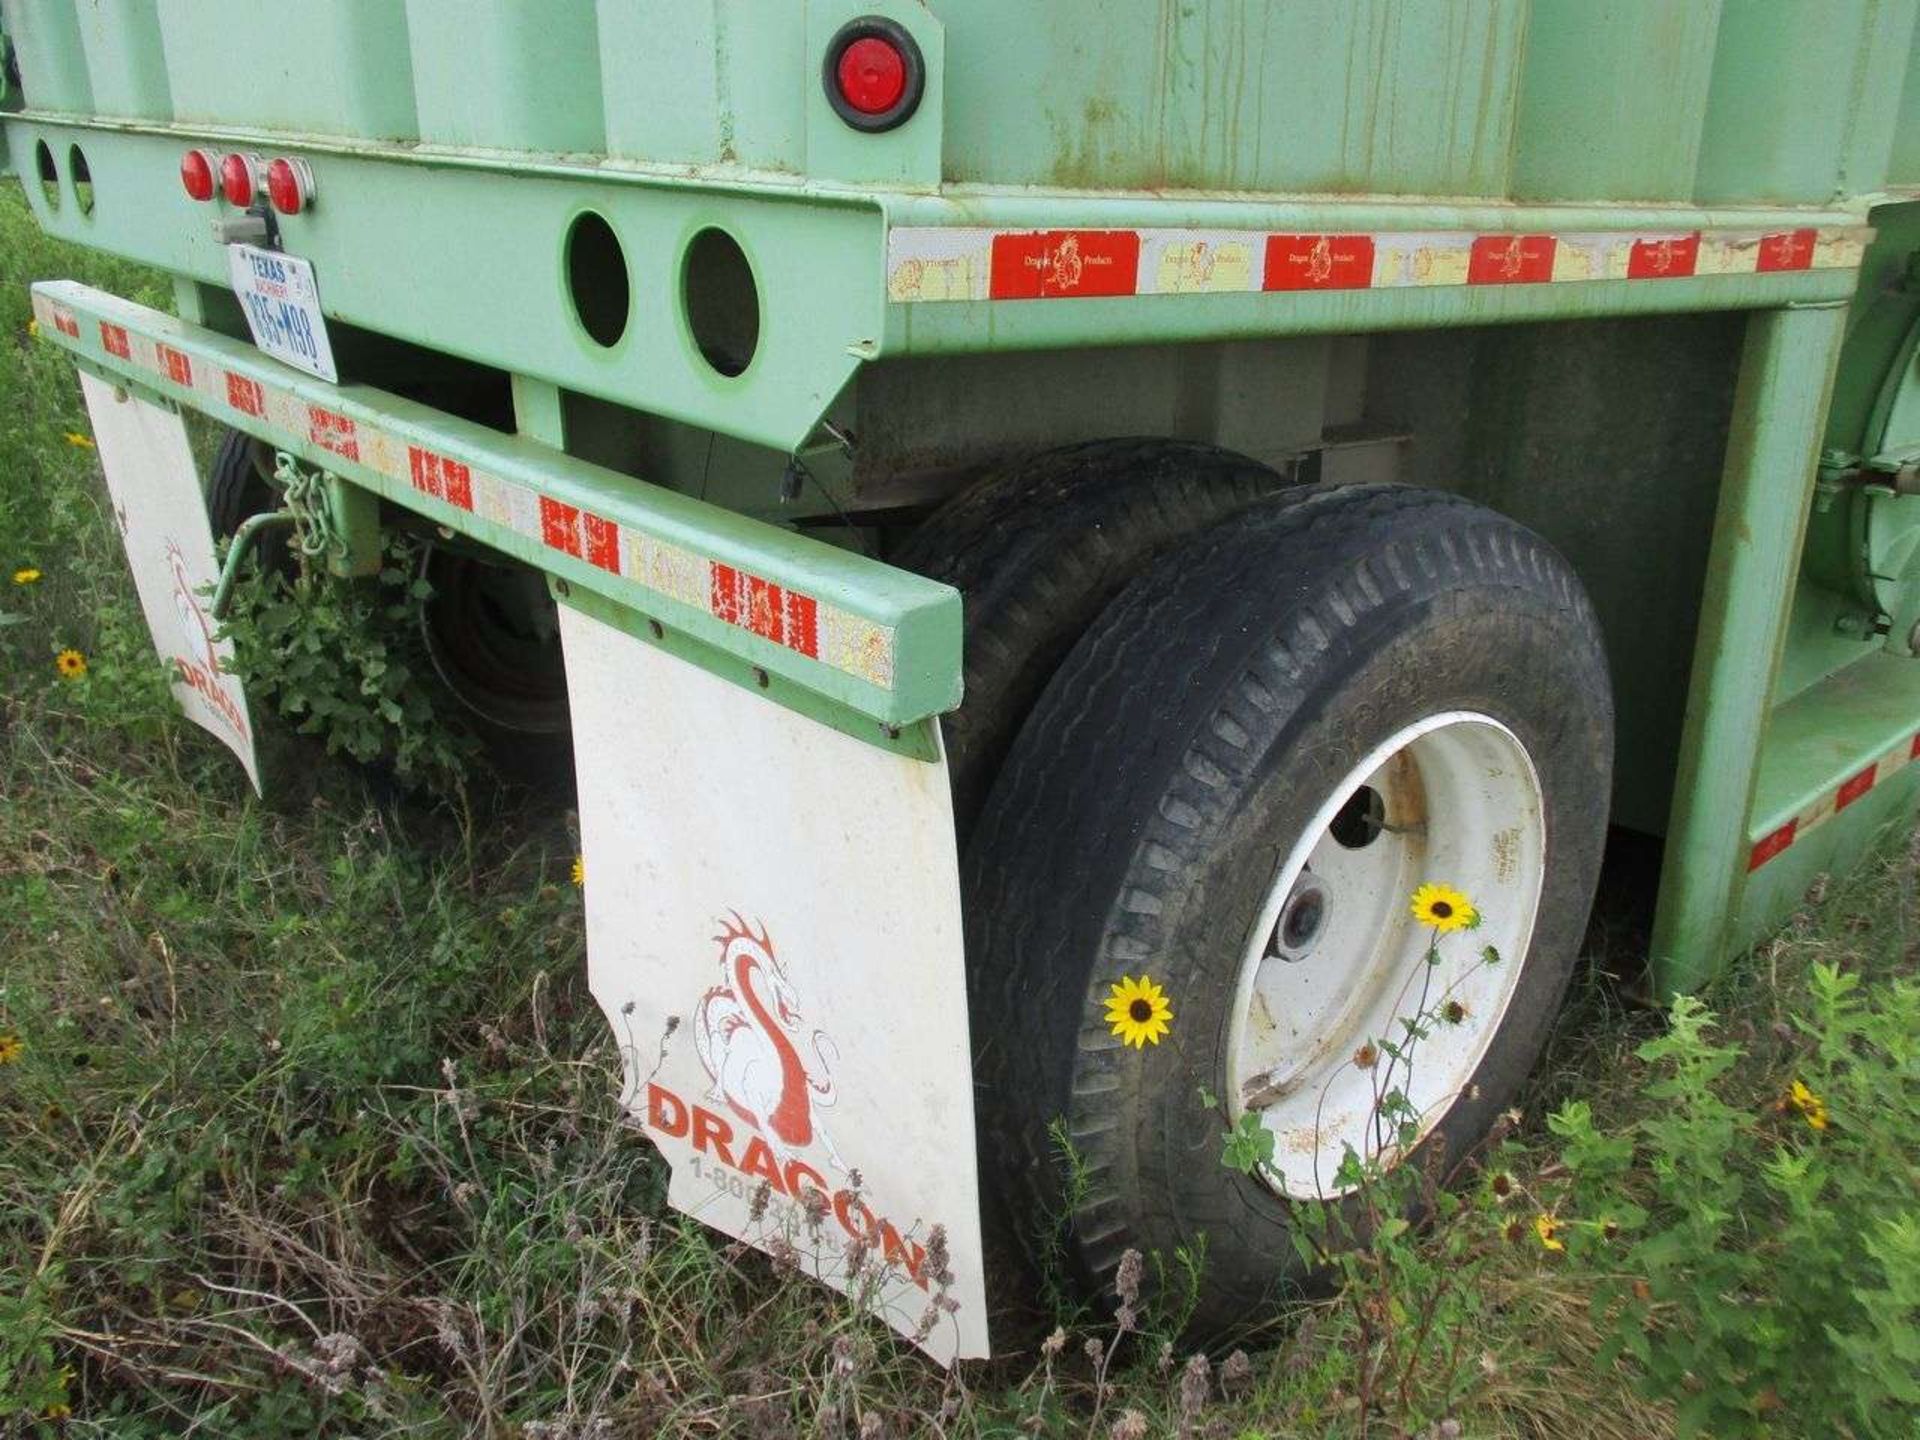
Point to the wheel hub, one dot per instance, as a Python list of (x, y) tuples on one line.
[(493, 637), (1342, 975), (1302, 919)]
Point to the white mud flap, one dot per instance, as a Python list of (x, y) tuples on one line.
[(155, 488), (773, 929)]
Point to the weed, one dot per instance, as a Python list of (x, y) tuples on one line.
[(1050, 1228), (1764, 1261), (341, 659)]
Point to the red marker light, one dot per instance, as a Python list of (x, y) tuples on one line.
[(289, 186), (872, 75), (196, 174), (237, 181)]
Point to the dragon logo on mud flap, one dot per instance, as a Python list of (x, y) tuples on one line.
[(769, 1080), (767, 1066), (196, 630), (197, 664)]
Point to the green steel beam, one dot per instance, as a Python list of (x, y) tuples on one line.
[(1010, 209), (961, 327), (939, 249), (919, 740), (1839, 768), (806, 623), (1786, 376), (464, 252), (470, 257)]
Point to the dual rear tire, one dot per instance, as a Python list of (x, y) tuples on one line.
[(1262, 739)]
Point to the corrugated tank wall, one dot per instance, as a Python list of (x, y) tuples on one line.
[(1716, 101), (1553, 100)]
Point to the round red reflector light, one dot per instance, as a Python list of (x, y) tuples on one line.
[(872, 75), (236, 180), (196, 174), (289, 186)]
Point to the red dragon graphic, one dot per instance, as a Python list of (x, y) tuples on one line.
[(195, 628), (749, 1033)]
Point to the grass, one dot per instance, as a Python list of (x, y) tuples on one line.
[(311, 1130)]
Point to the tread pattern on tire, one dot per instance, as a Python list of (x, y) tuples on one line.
[(1038, 548), (235, 489)]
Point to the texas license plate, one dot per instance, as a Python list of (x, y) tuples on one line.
[(282, 303)]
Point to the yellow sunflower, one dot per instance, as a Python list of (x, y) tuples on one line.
[(1138, 1012), (71, 664), (1444, 908), (579, 869), (11, 1049), (1548, 1229), (1810, 1105), (26, 575)]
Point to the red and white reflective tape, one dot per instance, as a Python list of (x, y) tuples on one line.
[(1781, 837), (58, 316), (802, 623), (926, 263)]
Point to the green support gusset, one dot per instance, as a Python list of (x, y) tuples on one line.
[(833, 631), (1780, 403), (474, 264), (354, 516)]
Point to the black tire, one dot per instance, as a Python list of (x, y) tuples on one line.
[(1038, 548), (1189, 738), (492, 634), (238, 486)]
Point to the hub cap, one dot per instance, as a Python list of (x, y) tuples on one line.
[(1337, 960), (494, 638)]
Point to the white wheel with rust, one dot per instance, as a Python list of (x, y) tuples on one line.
[(1345, 995)]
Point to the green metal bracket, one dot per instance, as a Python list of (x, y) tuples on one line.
[(353, 515), (244, 539), (336, 523)]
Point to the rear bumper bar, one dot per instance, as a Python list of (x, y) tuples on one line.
[(868, 648)]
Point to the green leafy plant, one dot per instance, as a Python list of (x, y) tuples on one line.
[(1051, 1224), (341, 660), (33, 1382), (1769, 1260)]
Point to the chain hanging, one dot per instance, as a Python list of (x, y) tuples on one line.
[(303, 494)]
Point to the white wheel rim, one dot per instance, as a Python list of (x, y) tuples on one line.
[(1452, 800)]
